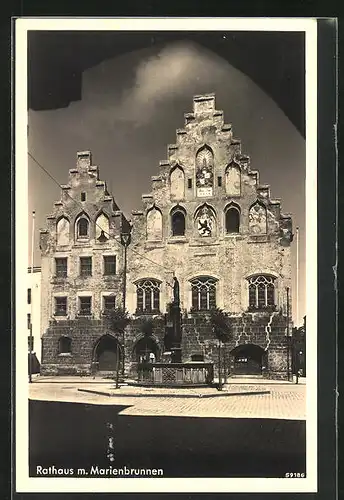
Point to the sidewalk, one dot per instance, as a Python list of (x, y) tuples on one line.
[(240, 400)]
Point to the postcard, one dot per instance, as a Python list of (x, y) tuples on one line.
[(166, 255)]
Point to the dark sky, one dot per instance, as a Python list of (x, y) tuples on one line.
[(131, 104)]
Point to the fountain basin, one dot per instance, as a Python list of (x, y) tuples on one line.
[(190, 374)]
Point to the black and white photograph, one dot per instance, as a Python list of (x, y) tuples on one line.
[(166, 255)]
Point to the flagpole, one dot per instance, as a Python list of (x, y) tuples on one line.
[(31, 286), (297, 277)]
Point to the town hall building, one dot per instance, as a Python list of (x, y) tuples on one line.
[(207, 222)]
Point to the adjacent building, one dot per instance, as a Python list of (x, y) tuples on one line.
[(34, 316), (81, 272), (207, 221)]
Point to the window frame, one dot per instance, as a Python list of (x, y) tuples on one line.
[(63, 274), (63, 311), (201, 284), (232, 207), (82, 272), (259, 297), (105, 263), (80, 309), (105, 298), (148, 292), (82, 236), (175, 212)]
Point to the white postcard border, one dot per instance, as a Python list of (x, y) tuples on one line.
[(23, 482)]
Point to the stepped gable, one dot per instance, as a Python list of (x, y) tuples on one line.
[(85, 193), (206, 125)]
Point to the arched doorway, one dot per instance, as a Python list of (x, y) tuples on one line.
[(247, 359), (145, 348), (106, 353)]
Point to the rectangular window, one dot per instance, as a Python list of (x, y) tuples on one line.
[(109, 265), (29, 295), (219, 181), (85, 306), (61, 267), (60, 306), (28, 321), (109, 302), (190, 183), (30, 342), (83, 196), (85, 266)]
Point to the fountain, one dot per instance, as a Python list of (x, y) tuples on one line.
[(172, 371)]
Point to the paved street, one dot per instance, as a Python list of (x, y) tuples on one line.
[(237, 400), (246, 430)]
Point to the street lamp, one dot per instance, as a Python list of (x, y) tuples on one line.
[(125, 241)]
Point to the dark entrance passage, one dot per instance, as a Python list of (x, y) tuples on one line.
[(146, 349), (247, 359), (107, 352)]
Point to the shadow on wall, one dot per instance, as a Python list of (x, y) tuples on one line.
[(70, 435)]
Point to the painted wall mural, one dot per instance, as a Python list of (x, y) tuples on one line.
[(205, 221), (257, 220), (204, 172)]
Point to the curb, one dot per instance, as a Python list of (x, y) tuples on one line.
[(171, 395)]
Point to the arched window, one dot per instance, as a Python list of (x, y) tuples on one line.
[(102, 227), (232, 219), (203, 291), (178, 222), (65, 345), (154, 224), (148, 296), (177, 183), (62, 231), (257, 219), (261, 290), (82, 227)]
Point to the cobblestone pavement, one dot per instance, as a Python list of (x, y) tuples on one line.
[(237, 400)]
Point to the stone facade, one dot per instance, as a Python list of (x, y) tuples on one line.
[(209, 222), (228, 245), (86, 224)]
